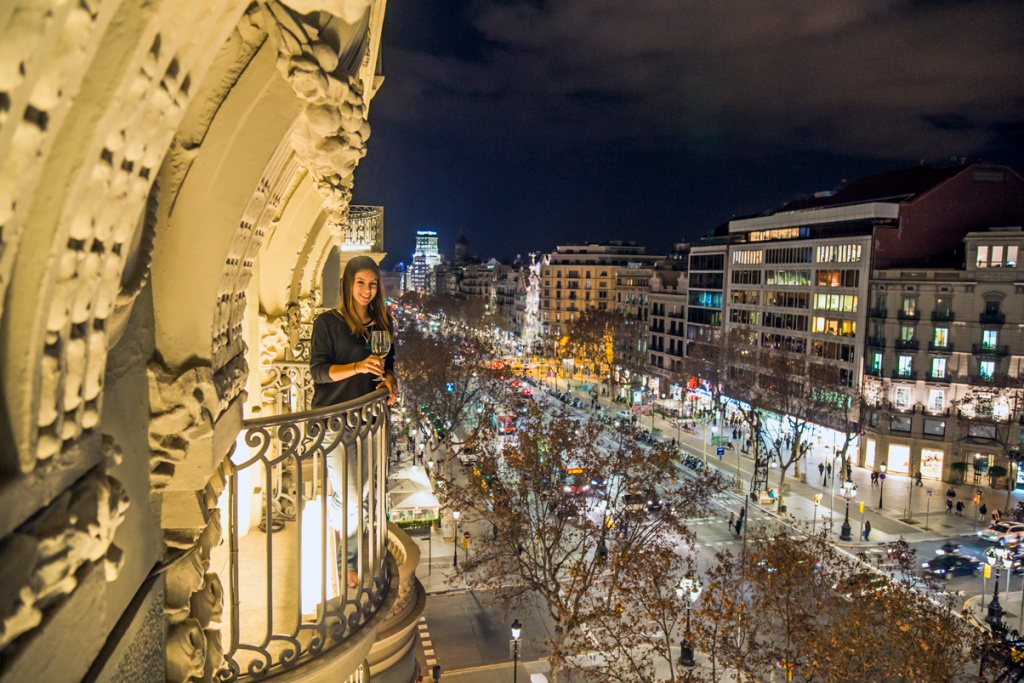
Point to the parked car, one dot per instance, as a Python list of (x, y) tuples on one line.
[(949, 565), (467, 456), (633, 502), (653, 501), (948, 547), (1004, 533)]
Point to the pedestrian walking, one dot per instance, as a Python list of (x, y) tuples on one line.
[(874, 478), (849, 472), (949, 506), (821, 471), (917, 478), (959, 508), (739, 525), (732, 519), (828, 471), (867, 530), (982, 511), (996, 516)]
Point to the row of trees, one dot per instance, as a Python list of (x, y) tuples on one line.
[(608, 572)]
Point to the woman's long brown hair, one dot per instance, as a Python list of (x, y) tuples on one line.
[(376, 308)]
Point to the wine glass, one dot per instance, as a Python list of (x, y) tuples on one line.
[(380, 344)]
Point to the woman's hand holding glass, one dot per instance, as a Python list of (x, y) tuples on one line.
[(370, 364)]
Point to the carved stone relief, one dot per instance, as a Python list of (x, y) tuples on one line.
[(39, 562), (330, 135), (45, 47), (184, 410)]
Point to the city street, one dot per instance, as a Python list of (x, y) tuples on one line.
[(469, 633)]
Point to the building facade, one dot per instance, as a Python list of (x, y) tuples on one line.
[(424, 259), (579, 277)]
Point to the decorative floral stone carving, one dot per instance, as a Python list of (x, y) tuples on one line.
[(208, 602), (39, 562), (330, 135), (186, 651), (183, 409)]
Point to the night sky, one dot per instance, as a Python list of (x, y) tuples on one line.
[(530, 124)]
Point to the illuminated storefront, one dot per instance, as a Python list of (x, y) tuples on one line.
[(899, 459), (931, 463), (869, 454)]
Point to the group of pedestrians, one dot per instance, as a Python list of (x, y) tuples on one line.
[(737, 524)]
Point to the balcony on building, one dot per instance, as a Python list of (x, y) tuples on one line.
[(940, 348), (284, 556), (908, 315), (992, 318), (907, 344), (876, 342), (944, 378), (873, 372), (942, 316), (980, 380), (989, 349), (878, 313), (906, 376)]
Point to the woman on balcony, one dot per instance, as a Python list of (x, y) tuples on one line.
[(343, 369)]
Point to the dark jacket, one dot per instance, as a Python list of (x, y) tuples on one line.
[(334, 344)]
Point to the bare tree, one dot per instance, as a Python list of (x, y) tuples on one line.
[(576, 550)]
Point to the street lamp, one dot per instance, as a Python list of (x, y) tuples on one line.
[(994, 617), (516, 630), (848, 491), (688, 587), (455, 538), (881, 488)]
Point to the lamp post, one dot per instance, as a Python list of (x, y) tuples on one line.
[(688, 587), (995, 610), (516, 630), (848, 491), (455, 538), (881, 488)]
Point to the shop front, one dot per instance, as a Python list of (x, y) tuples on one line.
[(931, 463), (899, 459)]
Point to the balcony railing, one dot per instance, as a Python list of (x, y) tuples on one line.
[(876, 342), (989, 350), (873, 372), (991, 318), (940, 348), (942, 379), (942, 316), (908, 315), (907, 344), (287, 562), (878, 313), (906, 377)]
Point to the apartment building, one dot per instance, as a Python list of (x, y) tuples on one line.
[(579, 277), (845, 277), (505, 288), (943, 364), (705, 298), (667, 334)]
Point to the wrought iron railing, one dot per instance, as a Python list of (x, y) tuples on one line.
[(289, 595)]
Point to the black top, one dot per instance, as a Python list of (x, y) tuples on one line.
[(334, 344)]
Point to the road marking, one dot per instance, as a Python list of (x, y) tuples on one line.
[(431, 662), (429, 653)]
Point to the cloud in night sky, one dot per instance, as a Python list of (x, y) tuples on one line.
[(885, 82)]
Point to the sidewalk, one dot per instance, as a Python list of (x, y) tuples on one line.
[(898, 493), (540, 670)]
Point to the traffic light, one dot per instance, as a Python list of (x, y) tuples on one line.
[(817, 498)]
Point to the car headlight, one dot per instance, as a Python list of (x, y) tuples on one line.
[(940, 551), (940, 571), (586, 488), (925, 565), (650, 502), (567, 489)]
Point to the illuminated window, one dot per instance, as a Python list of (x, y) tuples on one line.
[(906, 365), (936, 400), (938, 367), (942, 336), (987, 368), (902, 397), (907, 333), (876, 361), (988, 339), (751, 256)]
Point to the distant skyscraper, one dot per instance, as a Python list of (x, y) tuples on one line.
[(462, 248), (423, 259)]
